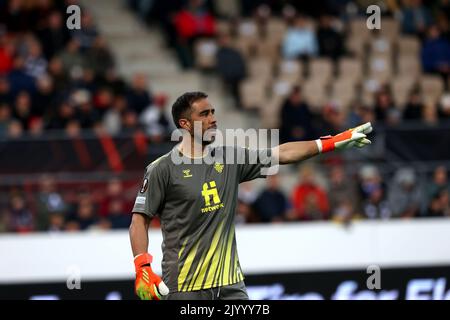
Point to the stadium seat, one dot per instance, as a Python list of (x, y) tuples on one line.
[(290, 70), (432, 88), (253, 93), (350, 68), (321, 69), (409, 66), (408, 46), (401, 87)]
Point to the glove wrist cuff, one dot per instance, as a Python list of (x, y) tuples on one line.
[(325, 144), (142, 259)]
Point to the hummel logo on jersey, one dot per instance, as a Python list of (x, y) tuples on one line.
[(187, 173)]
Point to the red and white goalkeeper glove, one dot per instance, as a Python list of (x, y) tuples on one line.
[(355, 137), (148, 285)]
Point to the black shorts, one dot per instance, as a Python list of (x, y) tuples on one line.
[(235, 291)]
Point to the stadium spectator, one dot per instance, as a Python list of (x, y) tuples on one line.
[(154, 120), (330, 41), (359, 113), (439, 205), (5, 91), (309, 199), (5, 119), (88, 32), (369, 181), (35, 63), (413, 109), (385, 110), (56, 222), (439, 182), (48, 202), (54, 36), (231, 67), (117, 217), (332, 119), (139, 96), (271, 205), (65, 112), (436, 53), (45, 98), (114, 193), (246, 199), (376, 207), (19, 80), (7, 50), (84, 215), (73, 61), (404, 194), (20, 218), (22, 109), (99, 57), (296, 118), (85, 114), (342, 188), (191, 23), (415, 18), (299, 41), (15, 129), (130, 122), (112, 120)]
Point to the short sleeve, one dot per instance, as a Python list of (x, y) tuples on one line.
[(150, 197), (253, 163)]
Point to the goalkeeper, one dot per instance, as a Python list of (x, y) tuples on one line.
[(196, 203)]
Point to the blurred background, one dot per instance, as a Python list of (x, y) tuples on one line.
[(82, 112)]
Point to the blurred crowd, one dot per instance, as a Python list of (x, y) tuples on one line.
[(335, 194), (400, 73), (53, 78), (342, 196)]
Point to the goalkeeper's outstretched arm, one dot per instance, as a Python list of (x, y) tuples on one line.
[(292, 152)]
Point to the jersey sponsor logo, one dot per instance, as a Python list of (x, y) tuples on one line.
[(210, 192), (187, 173), (219, 167), (144, 185)]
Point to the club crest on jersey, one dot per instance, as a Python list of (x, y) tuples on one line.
[(144, 185), (187, 173), (218, 167)]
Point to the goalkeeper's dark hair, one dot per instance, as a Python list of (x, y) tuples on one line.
[(182, 106)]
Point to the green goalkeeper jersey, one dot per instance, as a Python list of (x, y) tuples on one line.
[(196, 204)]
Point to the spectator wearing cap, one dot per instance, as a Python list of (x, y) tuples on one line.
[(405, 194)]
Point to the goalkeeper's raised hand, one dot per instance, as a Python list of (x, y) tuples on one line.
[(355, 137), (148, 285)]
